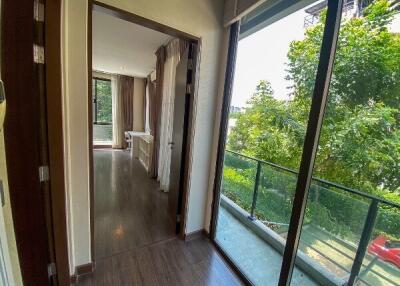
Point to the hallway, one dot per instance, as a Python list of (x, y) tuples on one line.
[(130, 211), (135, 243)]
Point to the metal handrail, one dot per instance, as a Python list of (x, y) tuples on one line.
[(369, 222), (335, 185)]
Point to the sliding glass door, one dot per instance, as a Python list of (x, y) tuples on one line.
[(266, 131), (299, 200), (352, 223)]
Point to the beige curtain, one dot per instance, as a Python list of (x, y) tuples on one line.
[(174, 49), (126, 89), (139, 95), (155, 100), (117, 113), (127, 84), (150, 94), (146, 107)]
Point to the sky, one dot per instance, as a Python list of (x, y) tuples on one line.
[(263, 56)]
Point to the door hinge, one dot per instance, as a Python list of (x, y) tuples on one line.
[(178, 218), (51, 269), (38, 11), (38, 54), (44, 175)]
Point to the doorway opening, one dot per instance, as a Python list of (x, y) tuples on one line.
[(141, 102)]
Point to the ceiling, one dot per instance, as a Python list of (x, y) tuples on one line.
[(124, 48)]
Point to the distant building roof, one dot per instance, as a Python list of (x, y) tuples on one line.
[(317, 7)]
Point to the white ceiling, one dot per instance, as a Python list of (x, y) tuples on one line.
[(124, 48)]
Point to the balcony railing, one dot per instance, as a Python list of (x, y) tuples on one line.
[(102, 132), (343, 220)]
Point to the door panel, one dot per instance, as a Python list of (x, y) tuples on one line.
[(178, 135), (24, 84)]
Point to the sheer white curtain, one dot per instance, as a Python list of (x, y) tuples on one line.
[(117, 113), (173, 51)]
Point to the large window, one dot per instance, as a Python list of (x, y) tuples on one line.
[(102, 110), (308, 192), (102, 103), (352, 208)]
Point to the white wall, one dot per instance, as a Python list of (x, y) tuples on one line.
[(139, 93), (216, 130), (200, 18), (76, 130)]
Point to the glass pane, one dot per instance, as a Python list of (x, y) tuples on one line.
[(332, 230), (94, 100), (267, 124), (104, 105), (275, 196), (102, 111), (359, 150), (381, 264), (238, 180)]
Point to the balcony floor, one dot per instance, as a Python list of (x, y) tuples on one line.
[(253, 255)]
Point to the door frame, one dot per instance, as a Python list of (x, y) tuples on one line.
[(36, 126), (316, 115), (189, 124), (53, 59)]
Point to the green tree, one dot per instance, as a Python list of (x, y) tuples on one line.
[(104, 101), (269, 129), (360, 140)]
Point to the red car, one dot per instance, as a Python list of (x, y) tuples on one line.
[(385, 249)]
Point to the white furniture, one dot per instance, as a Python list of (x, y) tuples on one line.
[(132, 138), (128, 140), (145, 150), (141, 145)]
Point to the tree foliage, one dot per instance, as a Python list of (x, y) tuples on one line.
[(360, 140), (104, 100)]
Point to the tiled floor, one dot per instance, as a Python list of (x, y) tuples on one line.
[(257, 259)]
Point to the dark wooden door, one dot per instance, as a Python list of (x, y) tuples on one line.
[(25, 139), (177, 143)]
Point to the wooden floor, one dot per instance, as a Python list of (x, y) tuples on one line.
[(130, 211), (135, 242)]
